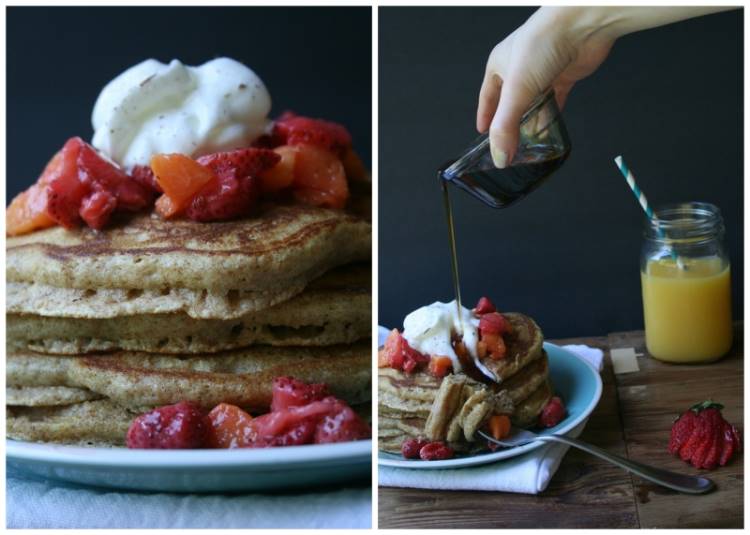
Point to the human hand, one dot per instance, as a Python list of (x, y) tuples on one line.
[(549, 50), (556, 47)]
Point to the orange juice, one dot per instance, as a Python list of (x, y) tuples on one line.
[(687, 312)]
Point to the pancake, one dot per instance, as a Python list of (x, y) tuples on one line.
[(420, 405), (46, 396), (91, 423), (147, 265), (528, 410), (523, 345), (242, 377), (394, 426), (393, 429), (334, 309), (422, 386), (527, 380)]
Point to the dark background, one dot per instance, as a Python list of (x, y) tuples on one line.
[(315, 61), (670, 100)]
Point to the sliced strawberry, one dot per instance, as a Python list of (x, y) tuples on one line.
[(291, 129), (64, 190), (493, 323), (401, 355), (710, 459), (484, 306), (97, 208), (281, 175), (100, 174), (290, 392), (229, 427), (319, 178), (241, 162), (681, 431), (287, 427), (28, 212), (236, 189), (494, 346), (144, 175), (227, 198), (553, 413), (179, 426), (393, 351), (295, 433), (180, 178), (700, 453), (697, 437), (342, 424), (440, 366), (730, 443), (499, 425)]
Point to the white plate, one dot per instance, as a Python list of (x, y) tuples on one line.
[(195, 470), (573, 379)]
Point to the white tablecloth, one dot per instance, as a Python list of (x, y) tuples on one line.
[(37, 503)]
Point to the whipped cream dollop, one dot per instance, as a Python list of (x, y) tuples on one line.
[(429, 330), (157, 108)]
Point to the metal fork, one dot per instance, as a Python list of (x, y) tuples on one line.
[(665, 478)]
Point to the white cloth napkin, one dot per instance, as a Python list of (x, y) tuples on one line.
[(38, 503), (527, 474)]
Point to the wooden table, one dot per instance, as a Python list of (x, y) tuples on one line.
[(633, 419)]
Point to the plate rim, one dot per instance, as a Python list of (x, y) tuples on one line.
[(123, 458), (509, 453)]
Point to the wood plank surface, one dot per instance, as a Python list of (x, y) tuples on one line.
[(650, 400), (584, 493)]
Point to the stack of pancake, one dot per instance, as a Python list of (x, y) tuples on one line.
[(102, 326), (421, 405)]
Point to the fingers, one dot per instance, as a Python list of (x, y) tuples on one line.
[(504, 128), (489, 95)]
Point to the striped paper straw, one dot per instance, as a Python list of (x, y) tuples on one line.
[(630, 179)]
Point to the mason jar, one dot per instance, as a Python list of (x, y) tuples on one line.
[(685, 280)]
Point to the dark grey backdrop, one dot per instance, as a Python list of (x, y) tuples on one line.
[(315, 61), (669, 99)]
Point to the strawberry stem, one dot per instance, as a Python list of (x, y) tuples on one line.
[(708, 404)]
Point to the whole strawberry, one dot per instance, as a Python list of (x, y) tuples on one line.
[(702, 437)]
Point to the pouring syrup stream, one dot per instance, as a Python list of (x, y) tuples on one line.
[(454, 256)]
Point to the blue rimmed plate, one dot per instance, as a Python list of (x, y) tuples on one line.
[(573, 379), (195, 470)]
